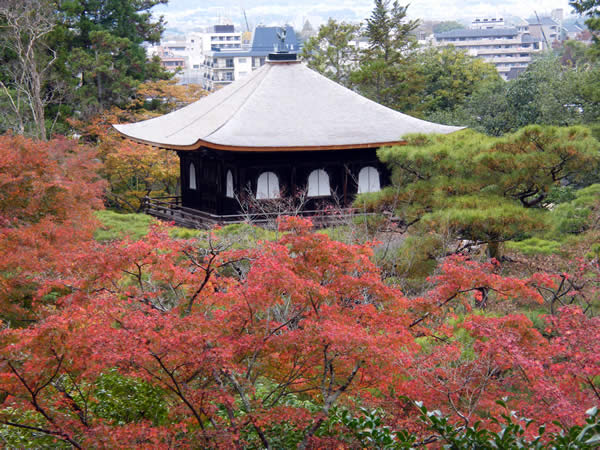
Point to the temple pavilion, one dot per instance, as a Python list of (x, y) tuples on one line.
[(282, 129)]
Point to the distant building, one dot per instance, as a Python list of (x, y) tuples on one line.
[(187, 53), (487, 23), (574, 31), (510, 49), (222, 66), (546, 29), (172, 54)]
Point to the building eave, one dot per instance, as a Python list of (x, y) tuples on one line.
[(234, 148)]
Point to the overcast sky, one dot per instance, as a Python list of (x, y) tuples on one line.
[(187, 14)]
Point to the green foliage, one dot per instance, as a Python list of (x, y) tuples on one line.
[(485, 189), (412, 261), (574, 212), (331, 53), (124, 400), (553, 90), (578, 215), (451, 76), (15, 437), (591, 9), (115, 226), (245, 235), (512, 432), (99, 48), (483, 218), (368, 431), (387, 73)]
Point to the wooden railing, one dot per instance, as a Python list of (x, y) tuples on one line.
[(171, 209)]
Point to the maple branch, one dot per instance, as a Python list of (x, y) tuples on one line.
[(36, 405), (593, 386), (177, 390), (246, 403), (78, 410), (294, 373), (327, 404), (59, 434), (426, 315)]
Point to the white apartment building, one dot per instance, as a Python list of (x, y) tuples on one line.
[(223, 65), (187, 53), (216, 38), (508, 48)]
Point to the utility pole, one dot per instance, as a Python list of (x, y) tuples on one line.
[(542, 28)]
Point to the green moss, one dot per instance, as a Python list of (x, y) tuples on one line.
[(535, 246), (118, 226)]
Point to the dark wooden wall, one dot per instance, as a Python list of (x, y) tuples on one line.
[(292, 169)]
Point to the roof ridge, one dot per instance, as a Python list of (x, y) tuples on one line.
[(193, 121), (237, 110)]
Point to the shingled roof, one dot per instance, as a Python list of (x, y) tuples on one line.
[(281, 106)]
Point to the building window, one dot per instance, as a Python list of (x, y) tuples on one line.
[(267, 186), (242, 60), (318, 183), (229, 184), (368, 180), (192, 176)]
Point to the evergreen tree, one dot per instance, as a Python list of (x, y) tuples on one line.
[(100, 49), (590, 8), (451, 76), (331, 52), (387, 72), (481, 189)]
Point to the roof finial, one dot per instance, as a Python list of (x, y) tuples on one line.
[(281, 35)]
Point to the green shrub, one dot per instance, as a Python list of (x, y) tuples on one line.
[(126, 400)]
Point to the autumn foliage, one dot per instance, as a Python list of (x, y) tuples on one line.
[(256, 346), (134, 170), (48, 191)]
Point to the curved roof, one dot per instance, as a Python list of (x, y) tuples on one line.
[(281, 106)]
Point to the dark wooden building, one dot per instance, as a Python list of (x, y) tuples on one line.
[(282, 129)]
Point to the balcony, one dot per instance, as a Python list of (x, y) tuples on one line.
[(170, 209)]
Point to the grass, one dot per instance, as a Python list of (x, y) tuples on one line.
[(535, 246), (118, 226), (115, 226)]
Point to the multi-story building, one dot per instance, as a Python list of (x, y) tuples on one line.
[(187, 54), (546, 29), (508, 48), (172, 53), (223, 65)]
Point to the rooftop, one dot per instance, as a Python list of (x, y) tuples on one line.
[(266, 37), (477, 33), (281, 106), (543, 21)]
